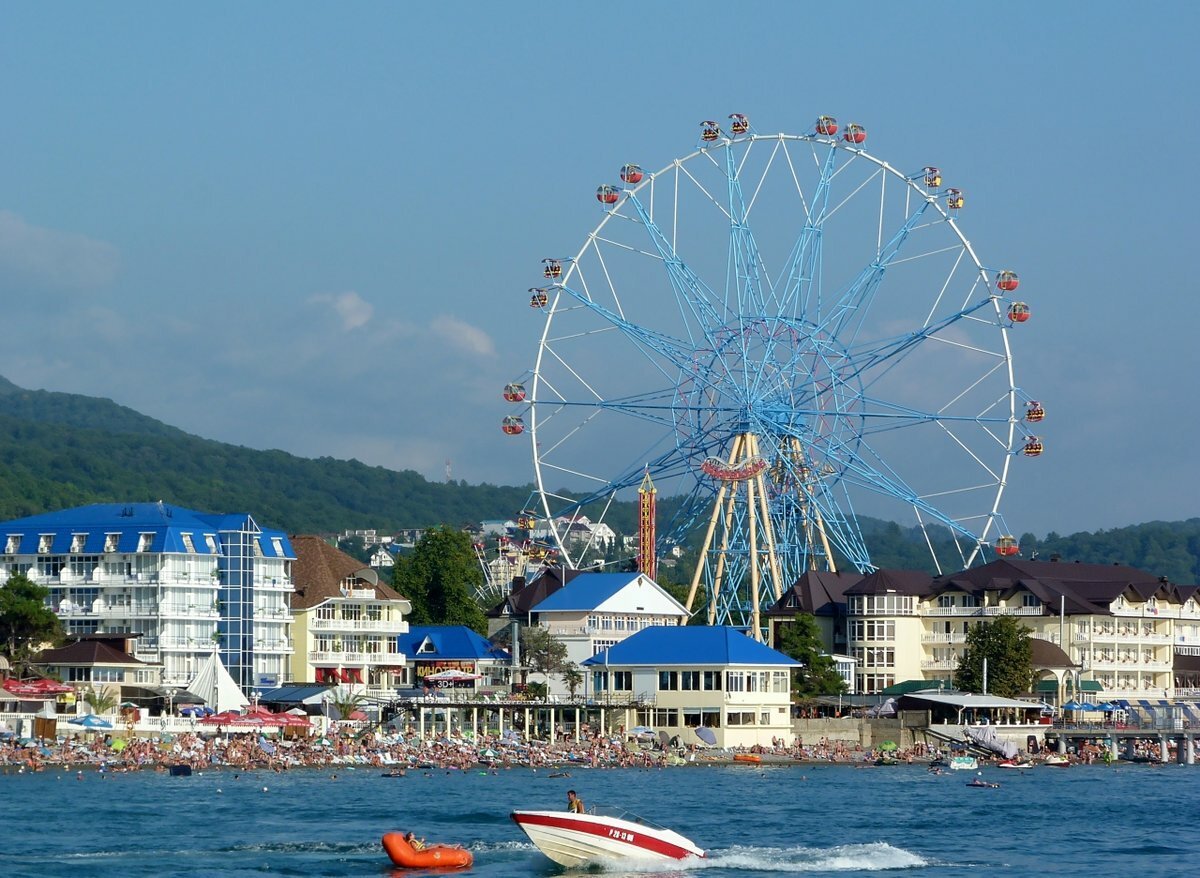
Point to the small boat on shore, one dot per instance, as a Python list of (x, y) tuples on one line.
[(571, 839), (433, 856), (752, 758), (964, 763)]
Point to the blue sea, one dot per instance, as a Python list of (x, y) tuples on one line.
[(832, 820)]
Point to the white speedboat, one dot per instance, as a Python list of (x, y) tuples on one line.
[(602, 834), (964, 763)]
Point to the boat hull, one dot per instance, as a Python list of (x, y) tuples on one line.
[(574, 839)]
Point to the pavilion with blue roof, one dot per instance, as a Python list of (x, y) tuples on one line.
[(706, 685)]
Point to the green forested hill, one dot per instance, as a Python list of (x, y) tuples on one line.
[(59, 450)]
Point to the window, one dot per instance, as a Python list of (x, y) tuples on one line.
[(13, 545), (1030, 600), (689, 680), (740, 718), (78, 541), (668, 681), (45, 543), (970, 600), (211, 542), (735, 681), (598, 646), (666, 717), (277, 545), (622, 681), (712, 681), (257, 546), (945, 601), (145, 541), (188, 545)]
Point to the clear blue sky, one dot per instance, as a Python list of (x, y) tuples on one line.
[(311, 226)]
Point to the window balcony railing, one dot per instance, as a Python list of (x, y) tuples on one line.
[(391, 626), (942, 637), (939, 665), (954, 611)]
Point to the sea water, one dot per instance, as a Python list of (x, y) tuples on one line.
[(835, 820)]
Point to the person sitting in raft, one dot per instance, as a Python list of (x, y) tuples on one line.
[(574, 803), (417, 844)]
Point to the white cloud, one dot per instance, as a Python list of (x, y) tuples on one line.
[(61, 259), (463, 336), (353, 310)]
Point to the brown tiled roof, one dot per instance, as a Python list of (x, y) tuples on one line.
[(523, 599), (85, 652), (320, 570), (1049, 656), (817, 592)]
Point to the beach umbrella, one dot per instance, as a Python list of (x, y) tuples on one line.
[(90, 721), (707, 735), (1071, 705), (1087, 705), (1106, 707), (641, 731), (888, 745), (119, 744)]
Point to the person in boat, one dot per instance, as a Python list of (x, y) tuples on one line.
[(417, 844), (574, 803)]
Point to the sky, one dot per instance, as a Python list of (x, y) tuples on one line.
[(312, 227)]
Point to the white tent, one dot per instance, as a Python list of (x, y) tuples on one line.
[(213, 683)]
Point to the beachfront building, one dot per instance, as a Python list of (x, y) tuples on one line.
[(709, 685), (347, 622), (188, 582), (1120, 633), (595, 611), (1122, 630), (455, 659)]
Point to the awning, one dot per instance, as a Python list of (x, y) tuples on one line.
[(294, 695)]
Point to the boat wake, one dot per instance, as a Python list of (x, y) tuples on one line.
[(875, 857)]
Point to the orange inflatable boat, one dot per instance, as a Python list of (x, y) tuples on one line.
[(753, 758), (434, 856)]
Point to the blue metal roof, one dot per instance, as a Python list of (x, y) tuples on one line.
[(167, 525), (448, 642), (585, 592), (692, 645)]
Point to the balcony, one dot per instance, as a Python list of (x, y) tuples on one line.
[(954, 611), (273, 646), (346, 658), (1013, 611), (942, 637), (384, 625), (939, 665)]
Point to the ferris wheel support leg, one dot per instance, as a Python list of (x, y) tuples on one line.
[(722, 554), (752, 521), (712, 526), (769, 528)]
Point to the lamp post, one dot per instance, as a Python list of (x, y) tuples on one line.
[(254, 696)]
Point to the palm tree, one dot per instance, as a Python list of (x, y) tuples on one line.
[(346, 703), (100, 700)]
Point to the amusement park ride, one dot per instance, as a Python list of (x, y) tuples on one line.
[(783, 334)]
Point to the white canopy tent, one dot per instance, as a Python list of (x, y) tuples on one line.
[(213, 683)]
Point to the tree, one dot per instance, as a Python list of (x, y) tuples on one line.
[(573, 677), (100, 700), (1004, 642), (542, 652), (818, 674), (346, 703), (440, 577), (25, 621)]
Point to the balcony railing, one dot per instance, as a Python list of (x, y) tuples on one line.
[(939, 665), (942, 637), (393, 626)]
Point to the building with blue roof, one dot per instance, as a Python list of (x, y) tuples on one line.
[(595, 611), (716, 679), (187, 582), (454, 656)]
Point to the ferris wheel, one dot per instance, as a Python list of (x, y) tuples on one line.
[(796, 341)]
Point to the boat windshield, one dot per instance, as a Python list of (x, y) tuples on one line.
[(622, 814)]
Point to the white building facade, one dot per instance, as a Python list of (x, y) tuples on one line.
[(187, 582)]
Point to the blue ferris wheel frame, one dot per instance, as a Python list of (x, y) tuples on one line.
[(780, 357)]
